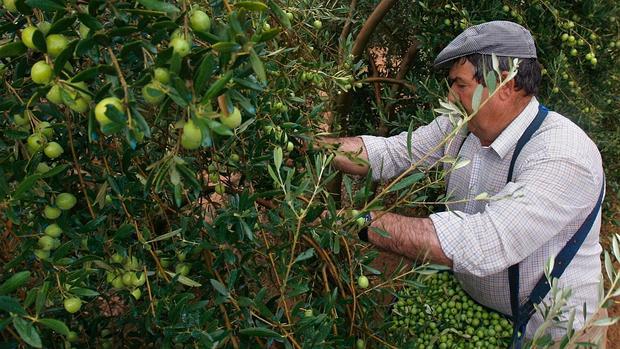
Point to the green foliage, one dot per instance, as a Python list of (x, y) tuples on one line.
[(212, 240)]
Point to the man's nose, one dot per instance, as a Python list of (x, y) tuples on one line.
[(452, 96)]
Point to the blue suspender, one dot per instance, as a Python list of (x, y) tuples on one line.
[(513, 272), (522, 313)]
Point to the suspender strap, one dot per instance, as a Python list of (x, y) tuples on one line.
[(526, 136), (518, 329), (562, 259), (513, 271), (522, 314)]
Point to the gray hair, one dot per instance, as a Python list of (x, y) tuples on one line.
[(528, 76)]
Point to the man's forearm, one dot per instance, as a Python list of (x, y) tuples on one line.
[(413, 238), (351, 155)]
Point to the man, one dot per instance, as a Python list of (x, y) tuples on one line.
[(555, 184)]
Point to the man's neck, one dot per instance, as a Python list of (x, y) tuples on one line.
[(506, 118)]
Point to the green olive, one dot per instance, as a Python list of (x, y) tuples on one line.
[(102, 106), (65, 201), (152, 94), (192, 136), (41, 73), (162, 75), (51, 212), (53, 230), (180, 46), (233, 120), (73, 304), (363, 282), (200, 21), (53, 150), (56, 43), (54, 95), (26, 36)]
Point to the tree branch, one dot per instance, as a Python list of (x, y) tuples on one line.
[(370, 25), (403, 69), (343, 100), (392, 81)]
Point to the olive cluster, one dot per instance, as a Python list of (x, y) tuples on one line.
[(130, 276), (440, 314)]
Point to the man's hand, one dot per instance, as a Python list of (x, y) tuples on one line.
[(411, 237), (351, 155)]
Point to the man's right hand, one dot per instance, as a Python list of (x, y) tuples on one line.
[(351, 155)]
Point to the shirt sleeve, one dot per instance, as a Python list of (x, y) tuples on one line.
[(389, 157), (548, 194)]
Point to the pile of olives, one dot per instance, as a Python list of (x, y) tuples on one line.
[(437, 313)]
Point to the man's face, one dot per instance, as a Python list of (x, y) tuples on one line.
[(463, 85)]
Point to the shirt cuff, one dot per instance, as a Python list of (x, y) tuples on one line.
[(450, 226), (374, 146)]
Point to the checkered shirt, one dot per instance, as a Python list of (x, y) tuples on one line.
[(556, 182)]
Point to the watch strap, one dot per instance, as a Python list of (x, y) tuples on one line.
[(363, 233)]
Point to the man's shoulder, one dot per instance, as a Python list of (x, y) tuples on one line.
[(563, 130), (559, 136)]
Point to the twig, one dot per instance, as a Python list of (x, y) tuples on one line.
[(148, 288), (371, 335), (322, 254), (327, 292), (332, 270), (227, 5), (77, 166), (391, 81), (287, 311), (160, 268), (185, 24), (121, 78), (346, 29), (209, 258), (300, 219), (353, 292), (10, 88), (229, 327), (19, 338)]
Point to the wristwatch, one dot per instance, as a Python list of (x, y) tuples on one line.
[(363, 233)]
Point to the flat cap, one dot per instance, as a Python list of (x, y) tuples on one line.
[(500, 37)]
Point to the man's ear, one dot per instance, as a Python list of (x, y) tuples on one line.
[(508, 90)]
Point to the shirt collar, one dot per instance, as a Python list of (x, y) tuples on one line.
[(508, 139)]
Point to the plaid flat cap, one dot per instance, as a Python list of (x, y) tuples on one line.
[(500, 37)]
